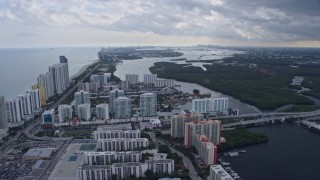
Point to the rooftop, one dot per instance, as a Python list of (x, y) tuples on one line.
[(69, 162), (217, 169), (40, 152), (115, 127)]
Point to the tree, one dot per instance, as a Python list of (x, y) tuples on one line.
[(196, 91), (114, 177), (149, 174)]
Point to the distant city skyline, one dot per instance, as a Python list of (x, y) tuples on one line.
[(165, 23)]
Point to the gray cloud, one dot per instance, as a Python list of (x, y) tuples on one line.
[(234, 20)]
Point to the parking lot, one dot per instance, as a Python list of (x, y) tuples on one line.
[(12, 169)]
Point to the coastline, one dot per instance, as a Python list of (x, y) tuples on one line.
[(84, 68)]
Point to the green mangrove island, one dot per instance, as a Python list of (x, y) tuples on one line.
[(259, 79)]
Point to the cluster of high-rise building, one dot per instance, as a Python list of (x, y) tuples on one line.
[(198, 132), (24, 106), (97, 81), (56, 80)]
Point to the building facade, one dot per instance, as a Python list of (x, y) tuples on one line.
[(112, 134), (178, 123), (114, 94), (122, 108), (42, 93), (122, 144), (84, 112), (3, 116), (13, 111), (201, 105), (25, 104), (35, 100), (148, 105), (206, 149), (164, 83), (65, 112), (218, 173), (46, 80), (211, 128), (48, 117), (109, 157), (150, 78), (220, 104), (125, 170), (60, 76), (132, 78), (102, 111), (208, 105), (81, 97)]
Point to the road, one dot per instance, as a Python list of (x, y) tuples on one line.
[(187, 163), (273, 118), (45, 174)]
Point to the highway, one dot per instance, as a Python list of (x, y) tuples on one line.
[(187, 163), (273, 118)]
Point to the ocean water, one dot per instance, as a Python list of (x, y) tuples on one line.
[(20, 67)]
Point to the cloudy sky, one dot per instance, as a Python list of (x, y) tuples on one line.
[(36, 23)]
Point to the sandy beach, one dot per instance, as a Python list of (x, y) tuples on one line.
[(83, 69)]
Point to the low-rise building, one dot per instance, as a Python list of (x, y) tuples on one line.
[(121, 144), (109, 157), (112, 134), (125, 170), (38, 154), (218, 173)]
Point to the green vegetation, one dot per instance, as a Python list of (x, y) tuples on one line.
[(165, 149), (301, 108), (49, 133), (266, 86), (160, 135), (25, 149), (77, 133), (240, 137)]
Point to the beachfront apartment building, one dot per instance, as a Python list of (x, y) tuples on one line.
[(46, 80), (13, 110), (60, 76)]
